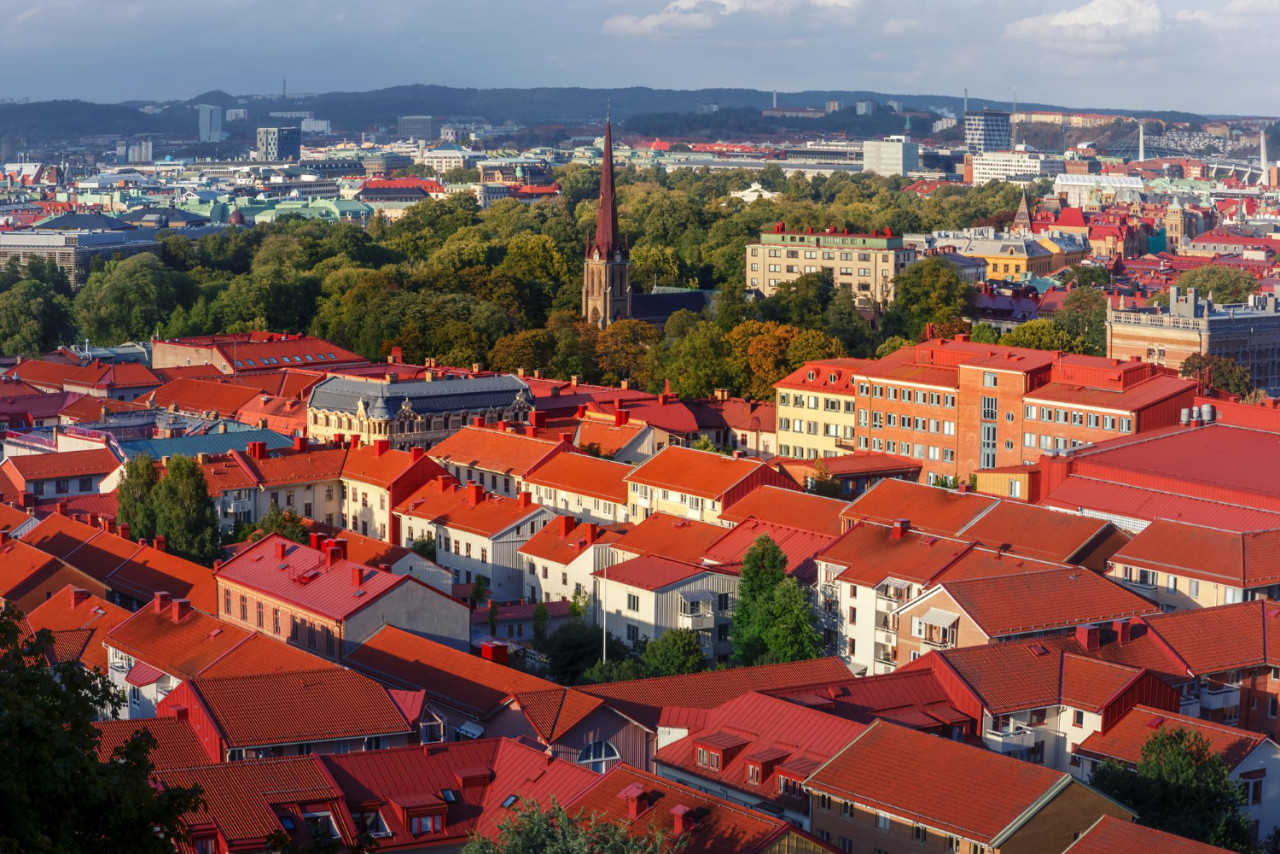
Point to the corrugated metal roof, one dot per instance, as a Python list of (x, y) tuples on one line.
[(340, 394), (213, 443)]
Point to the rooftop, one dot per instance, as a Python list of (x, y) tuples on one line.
[(1124, 741), (790, 507), (702, 473), (671, 537), (493, 450)]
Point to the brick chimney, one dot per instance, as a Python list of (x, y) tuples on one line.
[(161, 601), (180, 610), (381, 446), (416, 454), (475, 494), (159, 543), (900, 528), (357, 575), (566, 524), (300, 444), (680, 819), (282, 550), (1088, 637), (525, 499), (79, 596), (1123, 630), (331, 556), (316, 540)]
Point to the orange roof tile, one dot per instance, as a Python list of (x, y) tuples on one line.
[(74, 609), (443, 503), (1224, 557), (930, 509), (582, 474), (606, 438), (1124, 741), (871, 553), (1214, 640), (201, 396), (702, 473), (1036, 531), (1109, 835), (553, 543), (287, 466), (800, 547), (182, 649), (788, 507), (670, 537), (65, 464), (177, 745), (952, 787), (651, 572), (493, 450), (367, 465)]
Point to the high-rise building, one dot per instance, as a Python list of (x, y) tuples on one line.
[(416, 127), (279, 144), (987, 130), (893, 155), (210, 123), (606, 278)]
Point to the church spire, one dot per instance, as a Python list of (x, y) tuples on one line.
[(606, 239), (1022, 219)]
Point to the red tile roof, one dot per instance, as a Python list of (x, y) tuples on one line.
[(367, 465), (442, 502), (287, 466), (832, 375), (651, 572), (201, 396), (930, 509), (296, 707), (1110, 835), (1124, 741), (1036, 532), (644, 700), (702, 473), (303, 578), (606, 438), (670, 537), (177, 745), (800, 547), (493, 450), (1209, 554), (182, 649), (870, 554), (28, 576), (74, 611), (788, 507), (1091, 684), (1214, 640), (952, 787), (581, 474), (65, 464), (552, 543)]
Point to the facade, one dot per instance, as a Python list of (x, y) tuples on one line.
[(894, 155), (72, 251), (375, 479), (277, 144), (863, 263), (606, 277), (1012, 166), (696, 484), (1249, 334), (414, 413), (987, 130), (561, 557), (417, 127), (497, 459)]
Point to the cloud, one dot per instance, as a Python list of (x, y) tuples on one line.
[(1235, 15), (1097, 25), (901, 26), (679, 16)]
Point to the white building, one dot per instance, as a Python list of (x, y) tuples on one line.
[(1007, 165), (893, 155)]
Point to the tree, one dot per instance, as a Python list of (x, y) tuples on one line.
[(1083, 315), (656, 267), (984, 333), (1087, 276), (789, 634), (425, 546), (763, 568), (802, 301), (55, 796), (479, 589), (1219, 372), (540, 619), (1041, 335), (928, 291), (574, 647), (184, 513), (676, 652), (822, 482), (622, 347), (128, 299), (134, 505), (531, 829), (492, 617), (286, 523), (892, 344), (1182, 786), (34, 319), (1221, 284), (847, 325)]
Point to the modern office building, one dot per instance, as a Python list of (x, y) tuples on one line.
[(893, 155), (276, 144), (210, 123), (987, 130), (417, 127)]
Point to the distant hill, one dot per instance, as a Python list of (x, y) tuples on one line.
[(355, 111)]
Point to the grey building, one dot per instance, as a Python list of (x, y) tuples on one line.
[(72, 250), (417, 127), (987, 130), (276, 144)]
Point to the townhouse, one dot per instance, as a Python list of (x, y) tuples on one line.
[(60, 475), (375, 479), (320, 600), (78, 622), (961, 407), (29, 576), (562, 556), (896, 789), (756, 751), (304, 479), (696, 484), (581, 486), (495, 458), (471, 697), (615, 438), (477, 535), (382, 555)]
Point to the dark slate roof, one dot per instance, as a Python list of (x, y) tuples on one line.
[(175, 216), (382, 400), (213, 443), (391, 194), (655, 308), (88, 221)]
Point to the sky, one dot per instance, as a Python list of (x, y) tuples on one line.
[(1206, 57)]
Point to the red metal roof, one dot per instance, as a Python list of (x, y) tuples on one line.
[(468, 509), (651, 572), (177, 745), (493, 450), (966, 791), (76, 611), (702, 473), (1094, 495), (1124, 741), (800, 547), (581, 474), (1225, 557), (671, 537), (65, 464), (1109, 835), (553, 543), (789, 507), (930, 509)]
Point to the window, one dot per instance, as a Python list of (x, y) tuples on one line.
[(846, 844), (633, 602), (319, 825), (633, 633), (244, 608), (423, 824), (275, 620), (1077, 718), (882, 821), (85, 484), (990, 379), (597, 756), (1255, 792), (1193, 588), (260, 610), (919, 833), (226, 602)]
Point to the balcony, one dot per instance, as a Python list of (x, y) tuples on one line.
[(242, 505), (1220, 697), (703, 621), (1011, 739), (937, 642), (1189, 706), (886, 637)]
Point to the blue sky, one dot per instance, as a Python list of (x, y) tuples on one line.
[(1149, 54)]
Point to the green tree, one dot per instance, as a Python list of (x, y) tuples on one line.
[(928, 291), (614, 670), (492, 617), (1221, 284), (676, 652), (801, 302), (134, 504), (763, 568), (1219, 372), (184, 512), (656, 266), (286, 523), (574, 647), (822, 482), (426, 547), (56, 796), (1182, 786), (1087, 276), (34, 319), (845, 323), (890, 345), (532, 829), (1083, 315), (622, 349), (984, 333), (128, 300), (479, 589), (789, 634), (540, 620), (1041, 335)]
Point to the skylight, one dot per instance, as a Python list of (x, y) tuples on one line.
[(509, 800)]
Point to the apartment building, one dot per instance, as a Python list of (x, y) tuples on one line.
[(863, 263), (375, 479), (495, 458), (961, 407), (561, 557), (583, 487), (696, 484), (305, 480), (1017, 166)]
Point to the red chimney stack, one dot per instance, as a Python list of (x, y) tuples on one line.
[(78, 596), (341, 543), (300, 444), (180, 610), (680, 819), (900, 528), (331, 556), (159, 543), (381, 446), (475, 494), (282, 550), (416, 454), (357, 575), (161, 601), (316, 540), (566, 525)]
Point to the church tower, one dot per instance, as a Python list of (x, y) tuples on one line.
[(1022, 219), (606, 279)]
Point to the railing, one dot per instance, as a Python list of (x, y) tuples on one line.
[(1009, 739), (937, 643), (1221, 697), (697, 621)]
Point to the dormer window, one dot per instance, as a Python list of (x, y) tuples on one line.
[(420, 825), (370, 823), (753, 774), (320, 825)]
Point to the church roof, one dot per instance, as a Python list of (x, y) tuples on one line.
[(606, 237)]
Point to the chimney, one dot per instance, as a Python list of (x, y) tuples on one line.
[(357, 575), (416, 454), (1124, 631), (566, 524), (475, 494), (722, 394), (567, 438), (341, 543), (531, 431), (159, 543), (592, 532), (525, 499), (124, 530), (582, 411), (331, 556), (1088, 637), (637, 802), (573, 381), (4, 537), (79, 596), (355, 442), (478, 421), (161, 601), (300, 444), (180, 610), (680, 819), (316, 540), (900, 528), (381, 446), (539, 418), (619, 415), (396, 357), (62, 507), (282, 550), (502, 426), (339, 439)]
